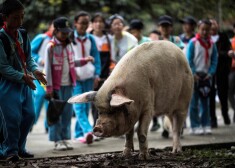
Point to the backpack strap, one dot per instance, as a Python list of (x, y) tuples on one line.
[(24, 35), (6, 43)]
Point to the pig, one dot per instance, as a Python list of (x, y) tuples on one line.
[(152, 79)]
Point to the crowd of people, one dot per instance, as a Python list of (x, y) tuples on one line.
[(68, 60)]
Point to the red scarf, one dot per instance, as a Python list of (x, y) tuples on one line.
[(49, 34), (14, 36), (83, 47), (206, 43)]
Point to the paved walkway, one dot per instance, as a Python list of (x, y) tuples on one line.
[(39, 145)]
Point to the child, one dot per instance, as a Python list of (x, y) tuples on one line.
[(202, 57), (87, 76), (154, 35), (135, 28), (188, 26), (165, 24), (60, 73), (17, 69), (122, 41), (38, 46), (103, 43)]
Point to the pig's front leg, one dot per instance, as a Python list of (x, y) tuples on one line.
[(129, 146), (144, 122)]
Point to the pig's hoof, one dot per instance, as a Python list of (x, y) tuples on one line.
[(127, 152), (144, 156), (176, 150)]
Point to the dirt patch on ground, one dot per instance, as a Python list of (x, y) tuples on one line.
[(218, 155)]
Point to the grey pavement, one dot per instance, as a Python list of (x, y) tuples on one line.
[(39, 144)]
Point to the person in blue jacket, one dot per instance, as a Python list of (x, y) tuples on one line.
[(88, 76), (38, 48), (18, 70), (202, 57)]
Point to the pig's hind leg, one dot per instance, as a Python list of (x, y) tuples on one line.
[(142, 131), (129, 146), (177, 121)]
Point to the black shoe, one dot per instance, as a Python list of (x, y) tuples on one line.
[(165, 134), (12, 158), (155, 127), (227, 121), (25, 154), (214, 125)]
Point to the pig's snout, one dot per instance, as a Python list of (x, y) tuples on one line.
[(98, 131)]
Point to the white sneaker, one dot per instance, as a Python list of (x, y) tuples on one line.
[(68, 145), (207, 130), (60, 146), (196, 131), (95, 138)]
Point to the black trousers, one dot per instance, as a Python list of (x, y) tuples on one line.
[(220, 84)]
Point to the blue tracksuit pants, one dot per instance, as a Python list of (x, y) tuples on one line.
[(39, 100), (199, 115), (62, 129), (16, 101), (82, 125)]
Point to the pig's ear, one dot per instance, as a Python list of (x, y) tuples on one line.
[(83, 98), (118, 100)]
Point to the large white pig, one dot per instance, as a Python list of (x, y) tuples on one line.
[(151, 79)]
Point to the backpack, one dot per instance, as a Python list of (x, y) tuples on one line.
[(7, 45), (6, 42)]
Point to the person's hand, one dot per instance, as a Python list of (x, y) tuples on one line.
[(42, 63), (40, 76), (49, 96), (90, 59), (208, 76), (231, 53), (96, 82), (196, 77), (29, 81)]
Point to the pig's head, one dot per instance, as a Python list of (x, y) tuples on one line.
[(114, 117)]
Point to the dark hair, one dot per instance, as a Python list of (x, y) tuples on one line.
[(115, 16), (98, 14), (81, 13), (155, 32), (204, 21), (136, 24), (9, 6)]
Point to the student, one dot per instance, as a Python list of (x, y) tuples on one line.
[(122, 41), (231, 92), (165, 24), (38, 47), (135, 28), (61, 77), (154, 35), (220, 79), (88, 76), (188, 26), (103, 43), (18, 70), (202, 57)]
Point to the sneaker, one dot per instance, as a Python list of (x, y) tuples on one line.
[(165, 134), (155, 127), (196, 131), (207, 130), (89, 138), (95, 138), (60, 146), (68, 145)]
